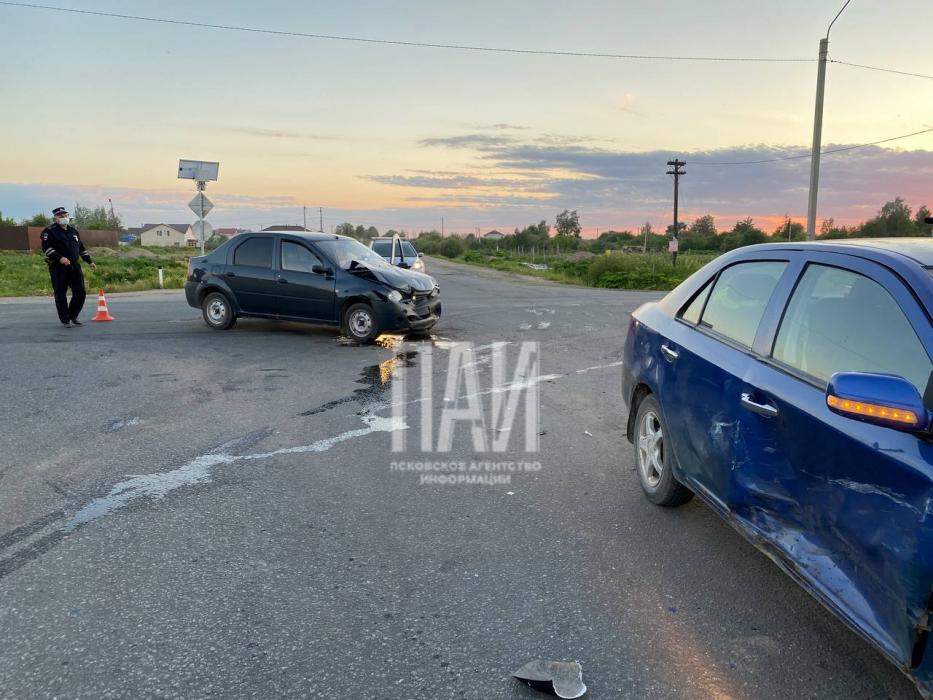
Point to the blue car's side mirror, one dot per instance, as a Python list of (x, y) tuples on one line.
[(882, 399)]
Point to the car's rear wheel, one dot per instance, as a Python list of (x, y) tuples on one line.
[(360, 323), (217, 311), (653, 459)]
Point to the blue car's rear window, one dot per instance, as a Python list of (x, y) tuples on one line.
[(739, 298)]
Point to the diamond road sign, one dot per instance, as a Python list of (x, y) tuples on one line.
[(200, 201)]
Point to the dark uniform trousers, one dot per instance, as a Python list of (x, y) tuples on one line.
[(59, 243), (65, 277)]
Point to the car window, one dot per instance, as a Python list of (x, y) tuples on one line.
[(692, 313), (841, 321), (297, 258), (254, 252), (382, 248), (739, 297), (348, 253)]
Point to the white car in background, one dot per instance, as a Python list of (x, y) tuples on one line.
[(399, 252)]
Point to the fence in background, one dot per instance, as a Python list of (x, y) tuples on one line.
[(27, 238)]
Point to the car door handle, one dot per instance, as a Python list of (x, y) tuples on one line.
[(762, 409), (282, 280), (231, 274), (669, 355)]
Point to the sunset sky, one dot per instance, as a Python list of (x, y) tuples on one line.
[(399, 137)]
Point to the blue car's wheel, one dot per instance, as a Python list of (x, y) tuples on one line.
[(653, 460)]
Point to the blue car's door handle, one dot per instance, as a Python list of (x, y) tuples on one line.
[(669, 355), (762, 409)]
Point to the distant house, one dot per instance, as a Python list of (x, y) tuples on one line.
[(286, 227), (167, 235), (493, 235), (227, 232)]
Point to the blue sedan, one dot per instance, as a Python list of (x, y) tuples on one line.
[(790, 387)]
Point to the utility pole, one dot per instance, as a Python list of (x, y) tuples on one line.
[(304, 214), (320, 211), (442, 227), (818, 129), (817, 140), (676, 171)]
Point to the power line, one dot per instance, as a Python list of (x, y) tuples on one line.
[(418, 44), (808, 155), (883, 70)]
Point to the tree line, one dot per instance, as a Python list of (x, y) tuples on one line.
[(894, 219), (82, 218)]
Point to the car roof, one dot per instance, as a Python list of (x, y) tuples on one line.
[(919, 250), (307, 235)]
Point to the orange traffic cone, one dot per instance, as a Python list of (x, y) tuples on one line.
[(102, 313)]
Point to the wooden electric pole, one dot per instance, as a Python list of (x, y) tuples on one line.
[(676, 171)]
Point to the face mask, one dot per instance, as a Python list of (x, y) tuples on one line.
[(64, 221)]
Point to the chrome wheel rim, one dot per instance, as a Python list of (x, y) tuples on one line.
[(217, 311), (650, 443), (361, 323)]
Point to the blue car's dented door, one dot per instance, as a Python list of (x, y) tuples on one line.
[(847, 506), (703, 372)]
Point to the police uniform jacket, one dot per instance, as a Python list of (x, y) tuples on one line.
[(58, 243)]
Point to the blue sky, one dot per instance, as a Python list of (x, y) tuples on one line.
[(403, 136)]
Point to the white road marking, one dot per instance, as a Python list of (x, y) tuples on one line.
[(198, 471)]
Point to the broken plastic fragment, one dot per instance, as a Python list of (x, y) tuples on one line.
[(587, 432), (561, 678)]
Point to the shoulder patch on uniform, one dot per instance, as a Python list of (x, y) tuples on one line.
[(45, 235)]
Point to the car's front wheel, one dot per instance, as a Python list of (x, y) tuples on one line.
[(360, 323), (217, 312), (654, 459)]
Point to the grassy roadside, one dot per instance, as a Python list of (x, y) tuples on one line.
[(653, 271), (126, 270), (135, 269)]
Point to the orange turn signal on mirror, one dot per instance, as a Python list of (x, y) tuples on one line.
[(860, 408)]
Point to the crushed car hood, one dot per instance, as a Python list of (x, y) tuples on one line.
[(405, 281)]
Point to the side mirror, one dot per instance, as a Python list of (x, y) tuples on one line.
[(320, 270), (421, 255), (402, 264), (882, 399)]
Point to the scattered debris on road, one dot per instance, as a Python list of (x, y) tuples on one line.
[(561, 678)]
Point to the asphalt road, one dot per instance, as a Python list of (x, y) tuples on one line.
[(191, 513)]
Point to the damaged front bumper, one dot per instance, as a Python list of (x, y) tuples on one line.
[(414, 312)]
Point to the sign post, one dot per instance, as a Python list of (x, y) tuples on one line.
[(201, 172)]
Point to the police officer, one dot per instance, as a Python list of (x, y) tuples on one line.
[(62, 247)]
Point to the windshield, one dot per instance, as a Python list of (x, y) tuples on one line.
[(345, 251), (384, 248)]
